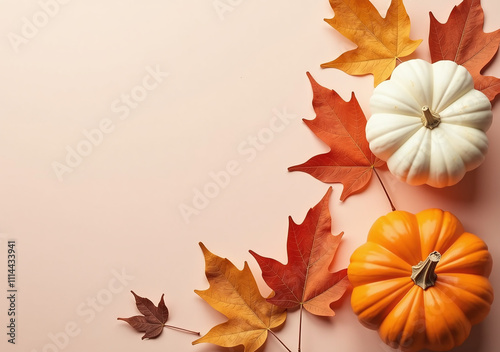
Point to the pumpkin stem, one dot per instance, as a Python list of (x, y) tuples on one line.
[(429, 119), (423, 273)]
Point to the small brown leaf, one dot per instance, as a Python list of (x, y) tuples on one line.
[(153, 319)]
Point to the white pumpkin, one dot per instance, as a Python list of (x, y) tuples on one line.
[(428, 123)]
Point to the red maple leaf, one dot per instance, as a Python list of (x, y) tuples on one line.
[(462, 40), (341, 125), (306, 279)]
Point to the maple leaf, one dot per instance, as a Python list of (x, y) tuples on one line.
[(461, 39), (381, 41), (235, 294), (153, 319), (306, 280), (341, 125)]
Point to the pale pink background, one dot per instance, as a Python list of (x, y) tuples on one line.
[(119, 209)]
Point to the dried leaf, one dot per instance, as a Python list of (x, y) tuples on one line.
[(462, 39), (381, 41), (306, 279), (235, 294), (153, 319), (341, 125)]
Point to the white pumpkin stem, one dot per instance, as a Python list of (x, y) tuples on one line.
[(423, 273), (429, 119)]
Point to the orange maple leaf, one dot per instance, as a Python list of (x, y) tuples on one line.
[(341, 125), (461, 39), (381, 41), (235, 294), (306, 280)]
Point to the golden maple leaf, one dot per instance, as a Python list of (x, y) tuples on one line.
[(235, 294), (381, 41)]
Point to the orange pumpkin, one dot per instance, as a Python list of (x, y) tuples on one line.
[(421, 280)]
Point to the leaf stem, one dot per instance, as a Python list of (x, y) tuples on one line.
[(398, 61), (181, 329), (300, 327), (385, 190), (277, 338)]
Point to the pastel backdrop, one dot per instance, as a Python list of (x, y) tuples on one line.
[(132, 130)]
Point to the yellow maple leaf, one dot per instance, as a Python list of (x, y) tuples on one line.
[(235, 294), (381, 41)]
